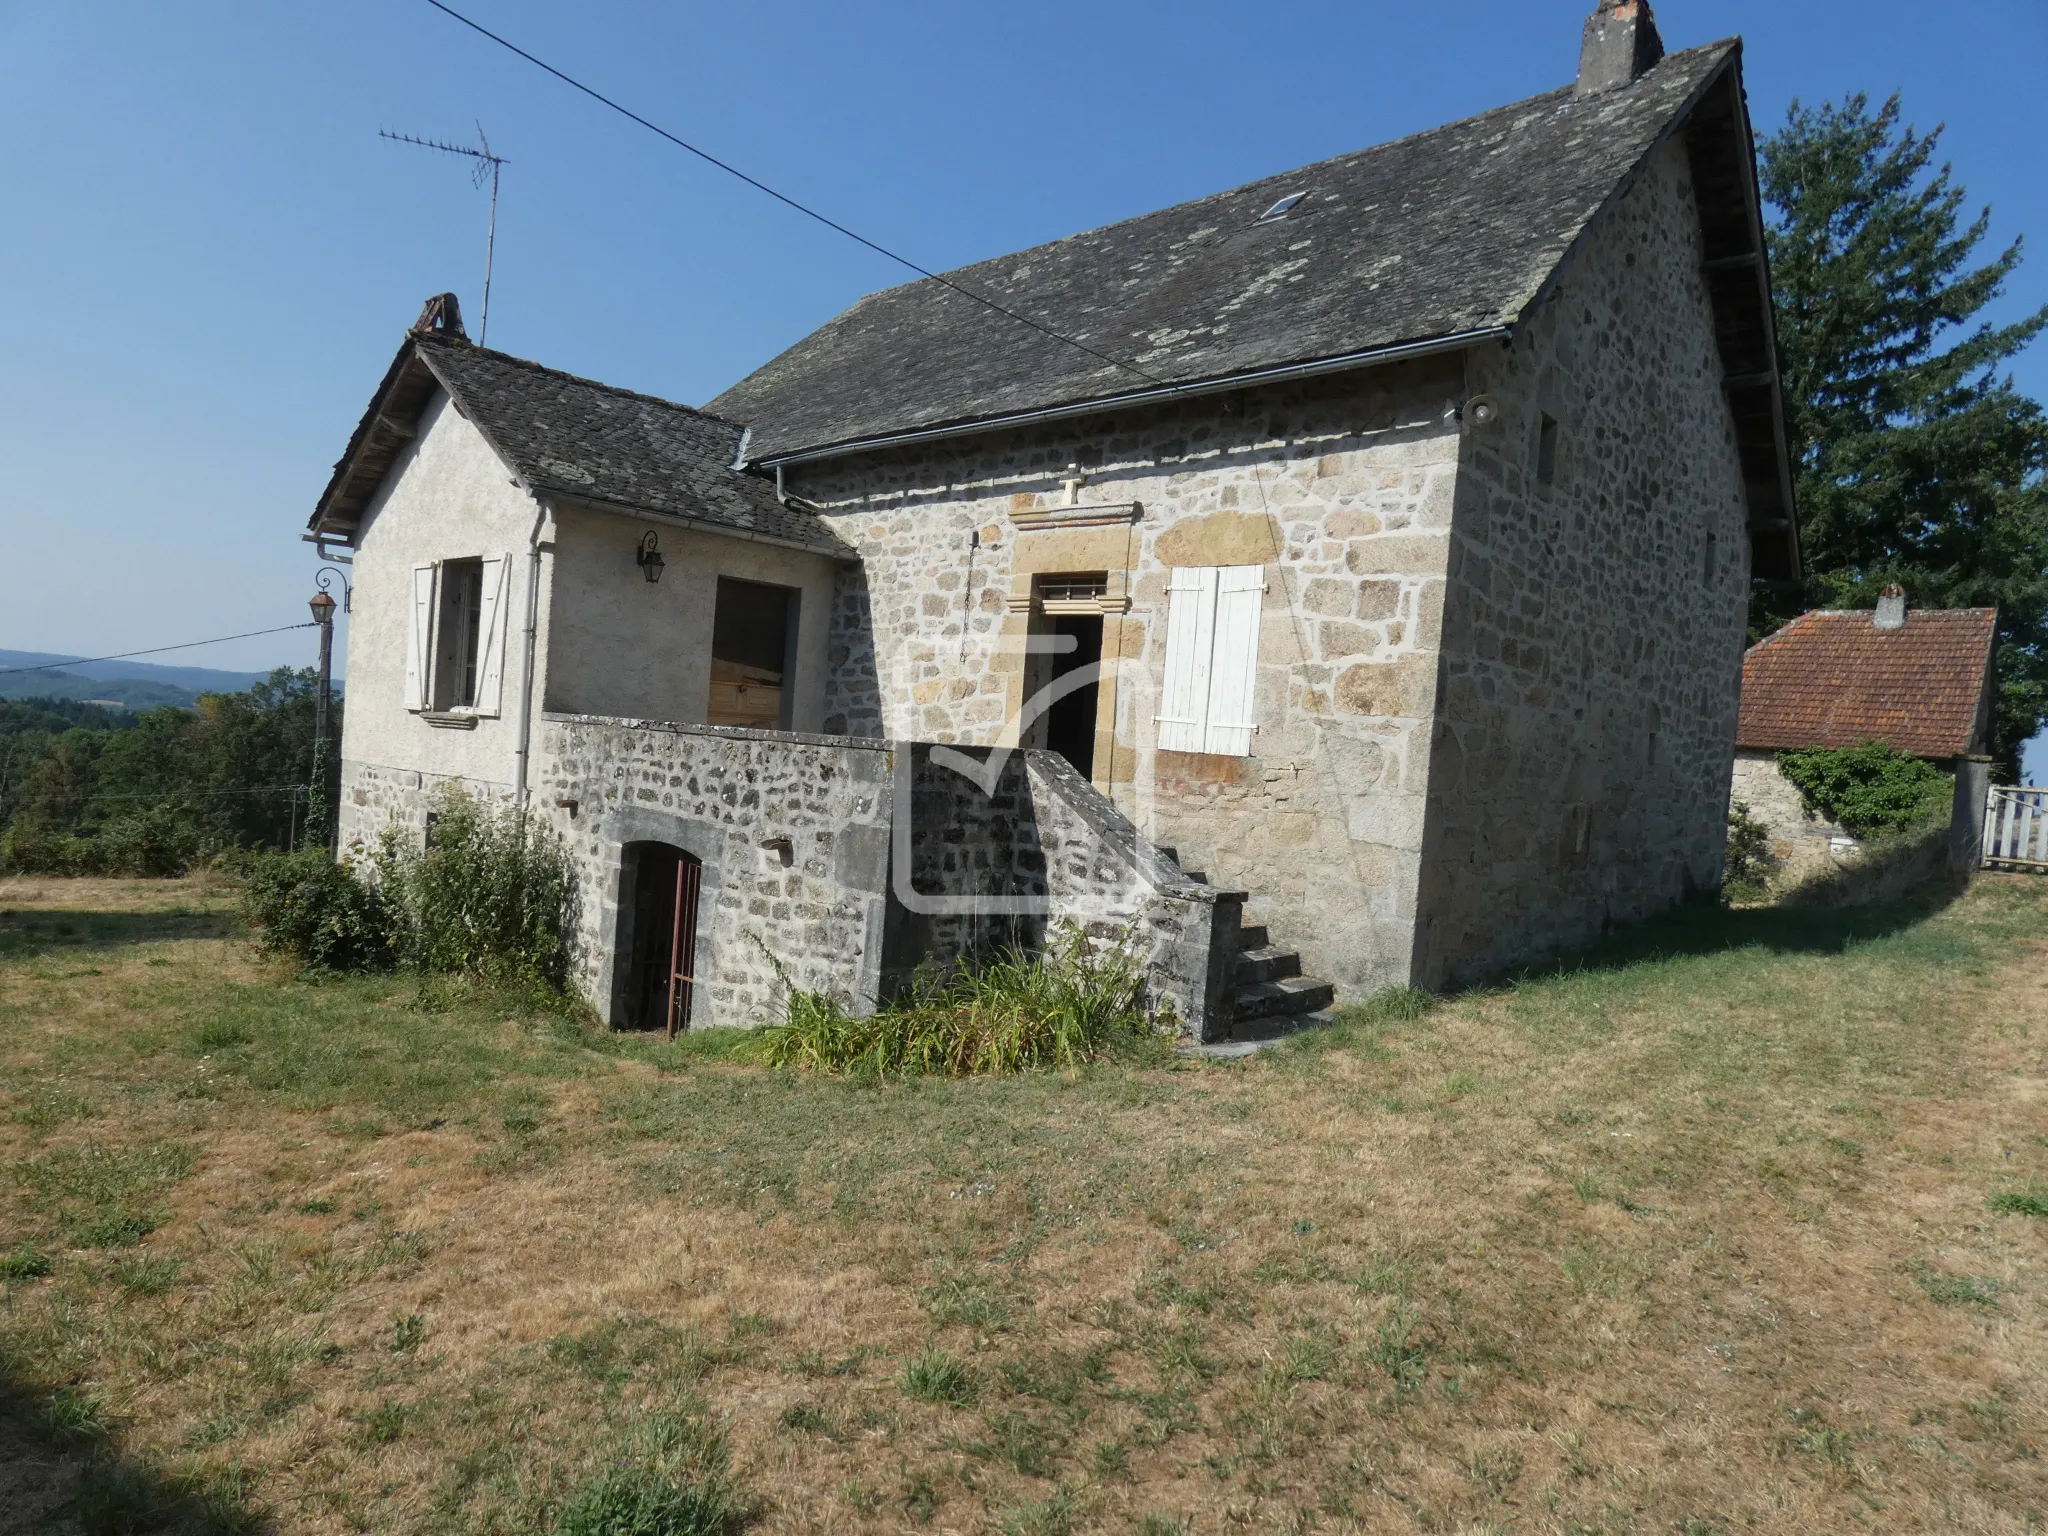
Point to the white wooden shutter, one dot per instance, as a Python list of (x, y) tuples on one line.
[(419, 637), (490, 634), (1234, 660), (1190, 635)]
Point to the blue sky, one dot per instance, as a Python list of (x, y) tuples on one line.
[(210, 254)]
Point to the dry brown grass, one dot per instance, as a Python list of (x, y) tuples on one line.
[(1688, 1243)]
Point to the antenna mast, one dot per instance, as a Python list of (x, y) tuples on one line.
[(486, 165)]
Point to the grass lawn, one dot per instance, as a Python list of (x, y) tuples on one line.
[(1740, 1226)]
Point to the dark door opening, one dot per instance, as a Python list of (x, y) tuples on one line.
[(662, 973), (753, 628), (1070, 721)]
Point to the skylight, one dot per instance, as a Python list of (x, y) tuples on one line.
[(1279, 210)]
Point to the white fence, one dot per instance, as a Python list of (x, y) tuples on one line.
[(2016, 827)]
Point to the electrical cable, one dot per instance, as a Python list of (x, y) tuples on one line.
[(784, 198), (155, 650)]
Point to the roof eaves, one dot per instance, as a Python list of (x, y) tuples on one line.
[(324, 519)]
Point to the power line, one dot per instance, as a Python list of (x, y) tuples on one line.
[(784, 198), (155, 650)]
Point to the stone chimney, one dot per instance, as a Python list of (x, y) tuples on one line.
[(1620, 42), (441, 317), (1891, 608)]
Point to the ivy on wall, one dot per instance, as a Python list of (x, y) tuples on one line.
[(1868, 789)]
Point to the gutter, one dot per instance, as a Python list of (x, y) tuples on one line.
[(1456, 341), (522, 748)]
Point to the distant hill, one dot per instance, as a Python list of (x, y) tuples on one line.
[(130, 684)]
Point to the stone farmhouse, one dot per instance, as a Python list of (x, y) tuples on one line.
[(1331, 584), (1920, 680)]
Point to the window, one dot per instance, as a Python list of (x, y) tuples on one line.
[(751, 631), (457, 633), (1546, 452), (454, 660), (1212, 653)]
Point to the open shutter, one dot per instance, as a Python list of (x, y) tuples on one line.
[(490, 633), (419, 637), (1190, 634), (1234, 660)]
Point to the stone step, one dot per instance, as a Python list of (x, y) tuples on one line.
[(1267, 964), (1252, 936), (1286, 997), (1256, 1036)]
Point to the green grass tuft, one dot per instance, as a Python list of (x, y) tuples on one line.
[(1018, 1013), (2020, 1203), (937, 1377), (24, 1264)]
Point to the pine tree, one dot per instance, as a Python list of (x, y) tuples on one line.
[(1916, 460)]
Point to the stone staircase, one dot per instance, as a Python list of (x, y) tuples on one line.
[(1274, 999)]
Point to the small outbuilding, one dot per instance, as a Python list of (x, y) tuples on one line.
[(1918, 680)]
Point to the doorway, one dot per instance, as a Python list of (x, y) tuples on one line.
[(1068, 630), (661, 976), (1070, 721)]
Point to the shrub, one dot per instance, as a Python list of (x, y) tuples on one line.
[(1868, 790), (1747, 873), (1074, 1003), (492, 894), (318, 910)]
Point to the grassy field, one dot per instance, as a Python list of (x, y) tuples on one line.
[(1741, 1225)]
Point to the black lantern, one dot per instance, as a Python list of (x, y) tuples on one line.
[(649, 558)]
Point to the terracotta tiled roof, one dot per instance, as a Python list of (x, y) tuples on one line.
[(1833, 679)]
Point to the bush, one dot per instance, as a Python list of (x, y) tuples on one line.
[(1747, 873), (1868, 790), (1019, 1013), (317, 910), (492, 895)]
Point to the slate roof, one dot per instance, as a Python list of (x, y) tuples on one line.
[(1445, 232), (571, 438), (1833, 679)]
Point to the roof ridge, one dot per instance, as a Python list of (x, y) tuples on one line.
[(1560, 95), (453, 344)]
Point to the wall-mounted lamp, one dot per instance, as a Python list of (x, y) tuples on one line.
[(1479, 411), (649, 558), (325, 580)]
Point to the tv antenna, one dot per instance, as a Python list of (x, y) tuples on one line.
[(486, 165)]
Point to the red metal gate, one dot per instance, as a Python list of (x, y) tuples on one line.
[(682, 945)]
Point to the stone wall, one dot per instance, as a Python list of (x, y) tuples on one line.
[(374, 797), (1801, 840), (1119, 889), (1592, 641), (828, 855), (1342, 488), (793, 833)]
